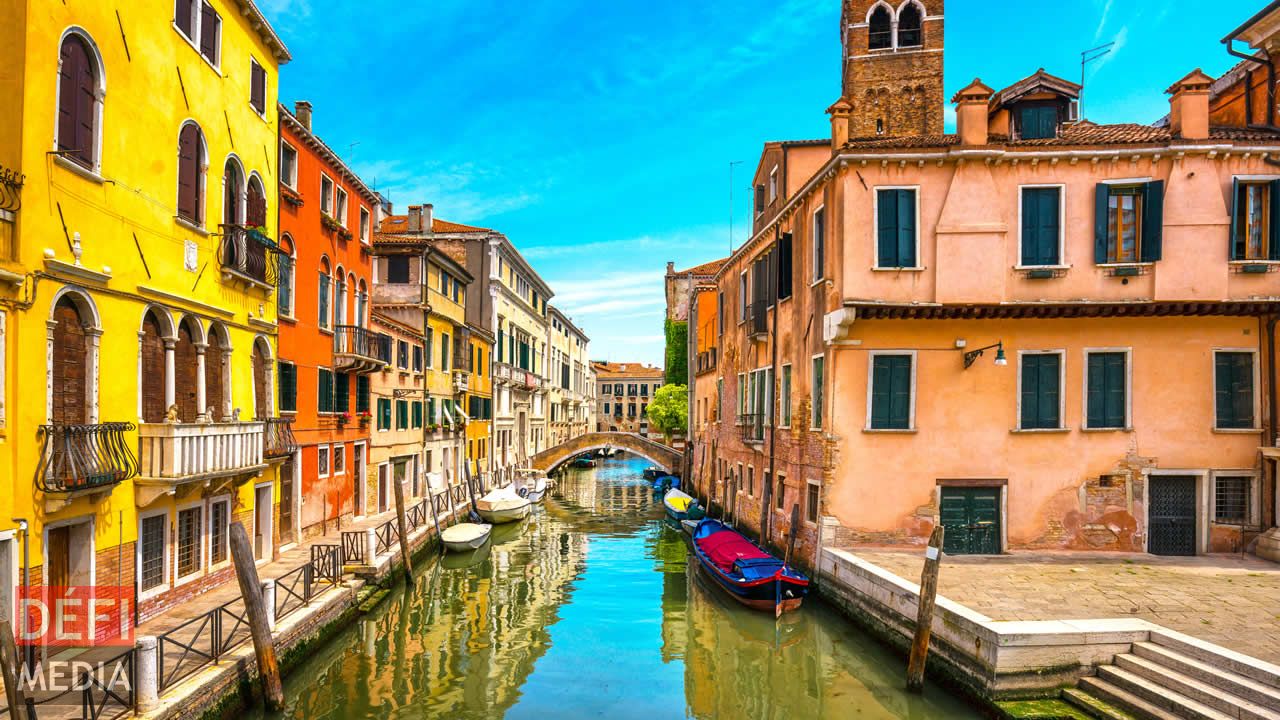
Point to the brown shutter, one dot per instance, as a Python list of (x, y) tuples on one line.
[(153, 371), (209, 22), (76, 102), (230, 194), (182, 15), (261, 383), (184, 384), (86, 95), (67, 95), (214, 393), (189, 172), (70, 366), (257, 87), (257, 206)]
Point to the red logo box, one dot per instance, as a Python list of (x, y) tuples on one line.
[(75, 616)]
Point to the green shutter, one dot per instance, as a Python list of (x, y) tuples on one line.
[(1234, 248), (362, 393), (1040, 392), (1102, 197), (887, 217), (1152, 220), (431, 411), (1049, 378), (880, 379), (384, 414), (891, 392), (288, 386), (1040, 215), (1107, 400), (324, 401), (1030, 227), (906, 228), (417, 413), (1274, 220), (1233, 390), (1096, 392), (1222, 389), (342, 393)]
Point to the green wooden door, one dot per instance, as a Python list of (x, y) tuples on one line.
[(971, 517)]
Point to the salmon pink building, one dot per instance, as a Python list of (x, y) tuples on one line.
[(1038, 331), (328, 349)]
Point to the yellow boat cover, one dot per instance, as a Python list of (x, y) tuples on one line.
[(681, 504)]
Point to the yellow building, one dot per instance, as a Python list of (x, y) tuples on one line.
[(136, 300), (569, 401), (479, 403)]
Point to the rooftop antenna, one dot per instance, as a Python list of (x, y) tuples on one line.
[(351, 151), (1087, 57), (732, 164)]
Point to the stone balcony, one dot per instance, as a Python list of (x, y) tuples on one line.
[(174, 454), (360, 350), (461, 381)]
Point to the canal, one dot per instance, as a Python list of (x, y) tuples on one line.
[(594, 608)]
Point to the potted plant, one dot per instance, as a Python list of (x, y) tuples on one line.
[(365, 418), (343, 418)]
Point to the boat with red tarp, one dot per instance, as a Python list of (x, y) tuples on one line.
[(743, 569)]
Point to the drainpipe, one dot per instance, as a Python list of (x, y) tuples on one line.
[(1270, 123), (766, 511), (26, 582), (1273, 422)]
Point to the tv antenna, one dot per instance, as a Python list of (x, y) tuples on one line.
[(732, 209), (1087, 57)]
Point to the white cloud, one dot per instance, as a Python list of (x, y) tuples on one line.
[(460, 191)]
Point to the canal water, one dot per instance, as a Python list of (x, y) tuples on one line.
[(595, 608)]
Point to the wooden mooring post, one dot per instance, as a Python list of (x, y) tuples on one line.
[(924, 616), (11, 667), (402, 524), (255, 610)]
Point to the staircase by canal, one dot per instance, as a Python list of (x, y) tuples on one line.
[(1168, 678)]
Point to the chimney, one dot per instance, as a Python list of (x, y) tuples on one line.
[(415, 218), (428, 215), (1189, 106), (671, 268), (971, 113), (302, 111), (840, 113)]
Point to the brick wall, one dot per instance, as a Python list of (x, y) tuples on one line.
[(901, 88)]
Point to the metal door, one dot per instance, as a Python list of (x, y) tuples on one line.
[(971, 517), (1172, 515)]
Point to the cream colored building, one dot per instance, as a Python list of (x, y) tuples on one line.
[(569, 396)]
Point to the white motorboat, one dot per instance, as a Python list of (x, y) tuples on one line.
[(465, 537), (504, 505), (532, 484)]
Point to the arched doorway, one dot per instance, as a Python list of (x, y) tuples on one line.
[(261, 381), (185, 384), (215, 385), (70, 369), (155, 375)]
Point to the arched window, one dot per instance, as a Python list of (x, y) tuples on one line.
[(185, 383), (256, 203), (340, 299), (154, 369), (362, 303), (232, 190), (284, 285), (324, 293), (909, 26), (215, 374), (79, 94), (70, 369), (191, 163), (881, 29), (261, 379)]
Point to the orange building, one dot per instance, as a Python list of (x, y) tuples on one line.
[(1038, 331), (327, 349)]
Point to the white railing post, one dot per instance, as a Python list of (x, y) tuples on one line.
[(269, 600), (147, 690), (370, 547)]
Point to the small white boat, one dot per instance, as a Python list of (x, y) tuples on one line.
[(503, 505), (532, 484), (465, 537)]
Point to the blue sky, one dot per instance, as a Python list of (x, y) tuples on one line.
[(598, 136)]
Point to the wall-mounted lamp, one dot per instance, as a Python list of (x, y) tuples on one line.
[(972, 356)]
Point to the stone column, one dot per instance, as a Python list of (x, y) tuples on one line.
[(371, 546), (147, 681), (170, 370), (201, 398)]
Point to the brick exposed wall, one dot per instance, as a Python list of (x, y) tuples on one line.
[(900, 88)]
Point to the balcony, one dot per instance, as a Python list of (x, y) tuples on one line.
[(173, 454), (461, 381), (751, 427), (247, 254), (502, 373), (758, 320), (278, 440), (83, 460), (360, 350)]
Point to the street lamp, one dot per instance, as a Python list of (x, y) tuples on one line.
[(972, 356)]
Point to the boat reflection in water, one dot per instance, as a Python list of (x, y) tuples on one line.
[(593, 607)]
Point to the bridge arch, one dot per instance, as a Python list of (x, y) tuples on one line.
[(664, 456)]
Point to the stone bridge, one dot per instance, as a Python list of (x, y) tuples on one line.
[(664, 456)]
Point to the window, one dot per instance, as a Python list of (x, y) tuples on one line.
[(257, 87), (402, 414), (892, 402), (820, 243), (326, 195), (880, 31), (816, 420), (773, 184), (152, 541), (444, 353), (417, 414), (79, 85), (191, 162), (1233, 390), (417, 358), (1041, 226), (284, 289), (811, 502), (606, 408), (1040, 391), (339, 459), (896, 228), (364, 224), (322, 460), (341, 393), (398, 269), (759, 199), (384, 414), (1106, 391), (402, 354), (287, 381), (324, 390), (362, 393), (784, 265), (340, 213), (1128, 222), (742, 297), (1254, 235), (1231, 500), (288, 165), (219, 531), (189, 522), (909, 26), (780, 492), (185, 18), (210, 33), (324, 298)]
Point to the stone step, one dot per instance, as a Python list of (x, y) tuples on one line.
[(1093, 706), (1252, 668), (1162, 697), (1200, 691), (1123, 699), (1225, 680)]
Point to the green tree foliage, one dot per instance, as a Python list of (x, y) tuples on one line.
[(677, 366), (669, 410)]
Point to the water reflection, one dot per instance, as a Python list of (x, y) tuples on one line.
[(592, 608)]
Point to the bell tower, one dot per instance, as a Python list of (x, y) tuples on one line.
[(892, 69)]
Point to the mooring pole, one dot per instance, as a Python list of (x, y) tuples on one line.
[(256, 612), (9, 666), (402, 525), (924, 617)]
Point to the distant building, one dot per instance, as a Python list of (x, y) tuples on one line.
[(568, 392), (679, 287), (623, 394)]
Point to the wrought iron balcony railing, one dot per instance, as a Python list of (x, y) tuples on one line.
[(461, 381), (358, 349), (247, 253), (758, 319), (84, 457), (277, 439), (752, 427)]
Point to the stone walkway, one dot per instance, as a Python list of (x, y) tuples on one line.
[(1230, 600)]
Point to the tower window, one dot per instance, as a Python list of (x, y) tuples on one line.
[(881, 32), (909, 26)]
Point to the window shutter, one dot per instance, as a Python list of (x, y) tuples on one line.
[(1115, 393), (189, 173), (342, 392), (70, 366), (1234, 248), (1047, 214), (900, 393), (1102, 195), (182, 15), (1030, 227), (209, 22), (1048, 391), (785, 244), (287, 375), (1274, 220), (906, 228), (1152, 220), (760, 198), (257, 87), (153, 371), (1096, 391), (887, 217), (67, 84)]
